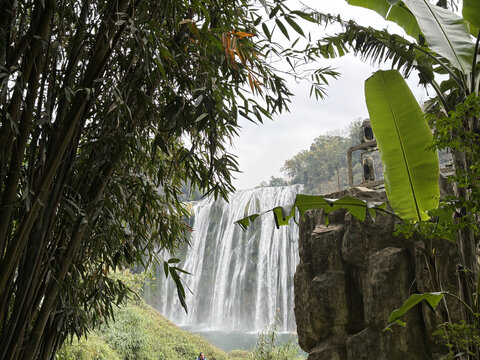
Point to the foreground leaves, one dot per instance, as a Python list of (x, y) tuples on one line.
[(446, 33), (432, 298), (283, 214), (410, 170), (399, 14), (471, 12)]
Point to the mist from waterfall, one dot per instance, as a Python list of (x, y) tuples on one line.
[(241, 279)]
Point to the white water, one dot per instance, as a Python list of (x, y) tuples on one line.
[(241, 278)]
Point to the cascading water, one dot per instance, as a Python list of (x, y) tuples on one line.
[(241, 279)]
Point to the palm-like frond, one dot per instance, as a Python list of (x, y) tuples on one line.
[(380, 46)]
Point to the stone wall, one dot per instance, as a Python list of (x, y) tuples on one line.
[(351, 276)]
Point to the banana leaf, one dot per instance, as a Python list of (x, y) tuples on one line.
[(471, 12), (432, 299), (394, 11), (411, 171), (446, 33), (283, 214)]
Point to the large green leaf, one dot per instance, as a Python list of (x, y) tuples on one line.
[(432, 298), (471, 12), (390, 10), (446, 33), (410, 170)]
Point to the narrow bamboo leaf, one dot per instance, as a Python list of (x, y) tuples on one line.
[(294, 25), (274, 11), (391, 11), (471, 12), (304, 15), (283, 29), (165, 269), (201, 117), (410, 170), (432, 298), (446, 33), (182, 271), (266, 31)]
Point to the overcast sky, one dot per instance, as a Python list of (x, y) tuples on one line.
[(262, 149)]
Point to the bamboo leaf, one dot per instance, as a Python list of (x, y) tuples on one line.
[(283, 29), (165, 269), (294, 25), (410, 170), (243, 34), (267, 31), (446, 33)]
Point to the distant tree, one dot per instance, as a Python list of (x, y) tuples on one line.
[(323, 166), (277, 181), (106, 109)]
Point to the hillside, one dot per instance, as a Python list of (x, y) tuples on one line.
[(140, 332)]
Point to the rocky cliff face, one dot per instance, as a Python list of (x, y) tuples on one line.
[(350, 277)]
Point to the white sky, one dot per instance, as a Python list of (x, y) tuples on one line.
[(262, 149)]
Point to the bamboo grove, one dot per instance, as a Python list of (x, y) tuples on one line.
[(107, 108)]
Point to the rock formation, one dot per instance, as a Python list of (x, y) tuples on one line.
[(351, 276)]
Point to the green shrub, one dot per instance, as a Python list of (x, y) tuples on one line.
[(240, 355), (92, 348), (140, 332), (266, 349)]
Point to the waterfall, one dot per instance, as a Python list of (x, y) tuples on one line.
[(241, 279)]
